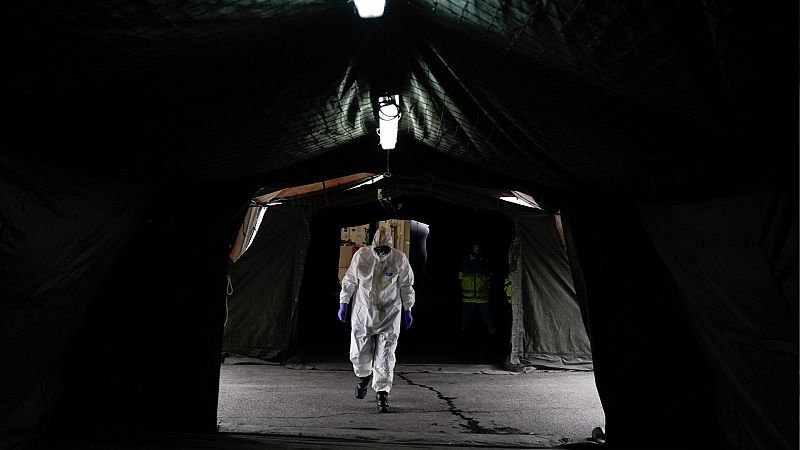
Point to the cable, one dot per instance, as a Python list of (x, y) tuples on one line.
[(228, 291), (387, 174)]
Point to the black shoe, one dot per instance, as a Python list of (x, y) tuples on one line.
[(383, 401), (362, 386)]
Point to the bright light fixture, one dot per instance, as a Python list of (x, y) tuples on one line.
[(518, 201), (389, 120), (370, 9)]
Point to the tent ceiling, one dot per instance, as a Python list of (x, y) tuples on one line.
[(639, 98)]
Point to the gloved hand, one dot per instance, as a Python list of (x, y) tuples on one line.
[(343, 312), (408, 318)]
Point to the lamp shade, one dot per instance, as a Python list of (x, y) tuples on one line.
[(369, 9)]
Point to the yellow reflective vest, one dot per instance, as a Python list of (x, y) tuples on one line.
[(507, 287), (474, 276)]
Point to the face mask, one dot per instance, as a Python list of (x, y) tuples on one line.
[(383, 250)]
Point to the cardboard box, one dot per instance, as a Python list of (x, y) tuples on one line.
[(345, 255)]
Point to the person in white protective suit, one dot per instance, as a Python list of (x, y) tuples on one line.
[(382, 281)]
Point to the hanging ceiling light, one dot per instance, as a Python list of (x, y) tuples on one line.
[(389, 120), (370, 9)]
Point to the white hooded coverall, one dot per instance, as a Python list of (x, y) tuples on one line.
[(382, 286)]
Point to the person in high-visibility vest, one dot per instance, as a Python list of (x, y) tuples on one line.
[(475, 275)]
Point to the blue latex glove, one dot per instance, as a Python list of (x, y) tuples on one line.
[(409, 319), (343, 312)]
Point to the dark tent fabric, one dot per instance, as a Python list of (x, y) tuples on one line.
[(265, 286), (746, 318), (60, 232), (614, 113), (548, 328), (649, 370)]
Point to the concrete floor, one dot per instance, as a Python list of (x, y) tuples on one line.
[(462, 405), (312, 406)]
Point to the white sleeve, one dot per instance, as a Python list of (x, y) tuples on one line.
[(350, 279), (406, 281)]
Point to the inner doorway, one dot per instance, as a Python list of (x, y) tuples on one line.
[(434, 244)]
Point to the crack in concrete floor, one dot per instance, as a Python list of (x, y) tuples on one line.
[(472, 425)]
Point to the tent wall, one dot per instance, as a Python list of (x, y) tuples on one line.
[(265, 282), (112, 302), (130, 324), (547, 327), (148, 354), (655, 385), (60, 230), (736, 264)]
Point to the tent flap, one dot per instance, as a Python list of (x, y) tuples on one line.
[(265, 283), (547, 327)]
